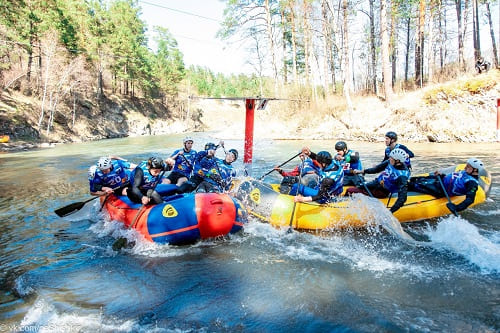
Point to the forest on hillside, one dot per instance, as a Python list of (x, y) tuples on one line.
[(60, 51)]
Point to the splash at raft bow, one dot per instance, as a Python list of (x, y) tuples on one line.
[(265, 202)]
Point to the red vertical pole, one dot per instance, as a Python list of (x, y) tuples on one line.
[(247, 159), (498, 119)]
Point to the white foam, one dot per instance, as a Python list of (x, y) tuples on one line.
[(21, 287), (486, 213), (459, 236), (337, 247), (44, 317)]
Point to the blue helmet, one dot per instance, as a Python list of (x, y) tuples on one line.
[(210, 146), (324, 157), (235, 153), (155, 163), (392, 135)]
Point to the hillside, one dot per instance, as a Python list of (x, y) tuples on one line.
[(463, 111)]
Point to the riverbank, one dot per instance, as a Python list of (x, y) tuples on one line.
[(458, 111)]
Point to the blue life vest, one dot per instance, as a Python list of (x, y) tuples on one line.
[(455, 182), (337, 176), (225, 171), (203, 164), (388, 151), (388, 178), (309, 167), (181, 166), (118, 175), (148, 180), (347, 165)]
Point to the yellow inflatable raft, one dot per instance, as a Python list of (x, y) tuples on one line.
[(265, 202)]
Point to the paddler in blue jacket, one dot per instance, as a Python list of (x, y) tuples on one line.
[(219, 178), (204, 161), (330, 183), (391, 139), (350, 161), (464, 182), (182, 161), (109, 175), (393, 179), (145, 182)]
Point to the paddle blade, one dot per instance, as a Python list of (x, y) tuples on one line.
[(69, 209)]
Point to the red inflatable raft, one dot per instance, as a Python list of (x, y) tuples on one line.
[(182, 219)]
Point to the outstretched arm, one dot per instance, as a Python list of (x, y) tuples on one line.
[(402, 194)]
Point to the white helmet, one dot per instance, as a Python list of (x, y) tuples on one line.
[(475, 163), (398, 154), (186, 139), (104, 163), (92, 171)]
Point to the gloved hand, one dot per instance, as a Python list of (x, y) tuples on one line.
[(216, 177), (452, 207)]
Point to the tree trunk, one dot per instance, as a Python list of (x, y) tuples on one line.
[(393, 43), (430, 42), (45, 87), (100, 89), (269, 27), (492, 34), (407, 51), (475, 30), (419, 46), (326, 51), (373, 48), (461, 58), (443, 36), (294, 45), (347, 67), (285, 27), (386, 68), (307, 40)]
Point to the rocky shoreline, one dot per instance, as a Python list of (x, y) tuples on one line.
[(458, 111)]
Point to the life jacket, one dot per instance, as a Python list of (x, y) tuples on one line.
[(454, 183), (336, 172), (203, 164), (388, 178), (225, 171), (184, 165), (148, 180), (347, 165), (310, 166), (118, 175)]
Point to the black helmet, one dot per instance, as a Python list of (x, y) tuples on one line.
[(155, 163), (235, 153), (210, 146), (324, 157), (341, 145), (392, 135)]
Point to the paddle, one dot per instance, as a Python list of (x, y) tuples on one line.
[(73, 208), (447, 196), (76, 206), (364, 185), (290, 227), (279, 166)]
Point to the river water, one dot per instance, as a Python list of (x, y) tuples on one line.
[(61, 275)]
